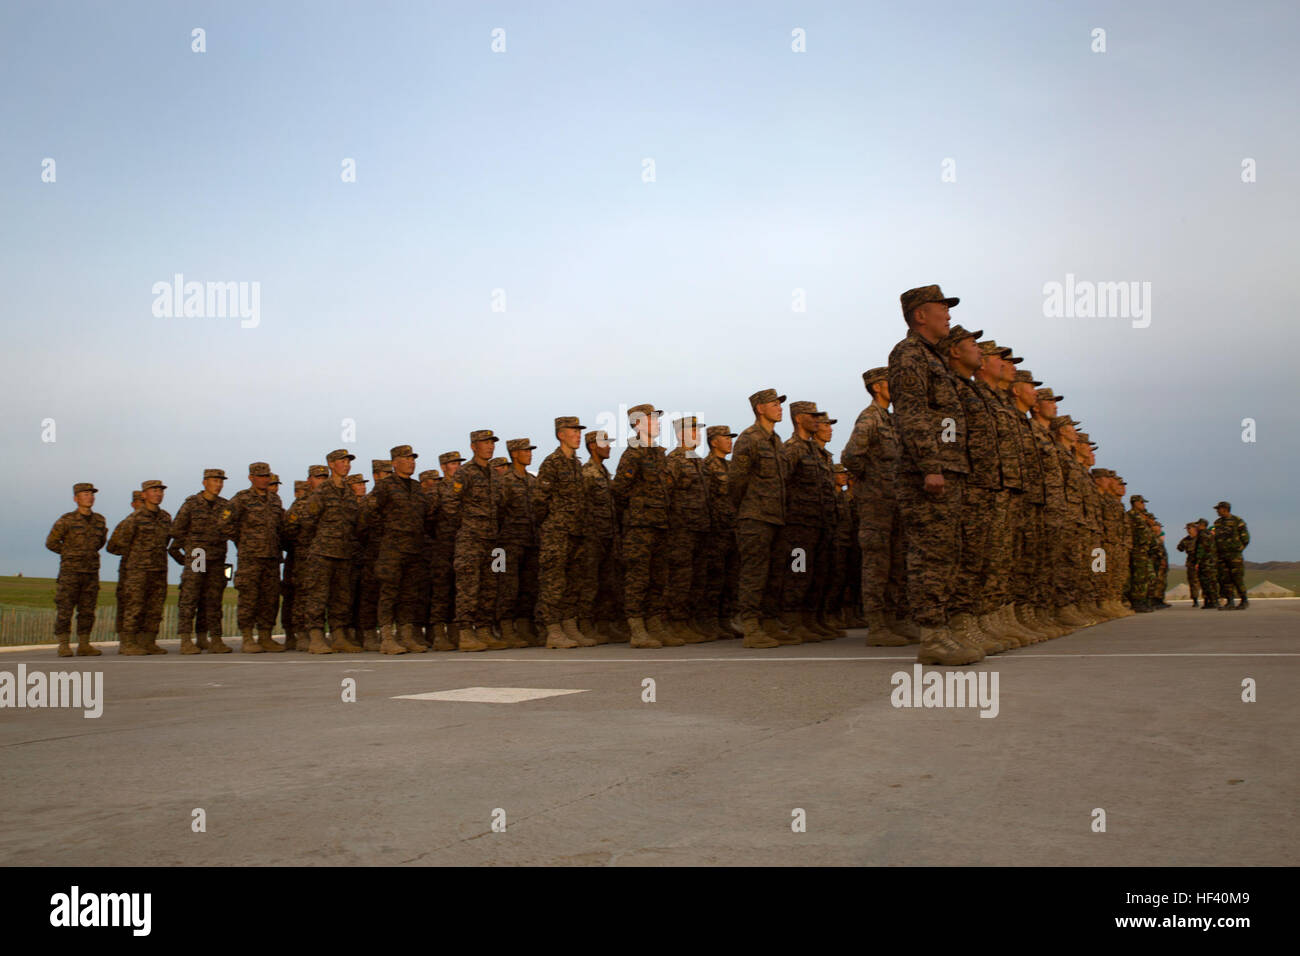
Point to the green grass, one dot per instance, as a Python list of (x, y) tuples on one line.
[(39, 592), (1287, 579)]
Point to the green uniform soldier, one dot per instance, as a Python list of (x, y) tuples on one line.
[(723, 576), (122, 591), (1141, 569), (1231, 537), (478, 496), (200, 548), (332, 511), (76, 538), (600, 599), (401, 515), (560, 503), (253, 520), (1188, 546), (446, 522), (299, 529), (142, 541), (356, 483), (1207, 565), (690, 528), (517, 583)]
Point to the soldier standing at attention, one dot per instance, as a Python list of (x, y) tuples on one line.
[(1032, 607), (142, 541), (1055, 514), (429, 479), (76, 538), (600, 595), (871, 457), (1076, 563), (560, 503), (519, 541), (816, 619), (357, 485), (253, 520), (446, 522), (640, 489), (1141, 571), (1207, 565), (756, 480), (1231, 537), (932, 472), (724, 558), (689, 524), (1188, 546), (371, 532), (478, 496), (333, 512), (200, 548), (843, 569), (401, 511), (122, 592), (299, 528)]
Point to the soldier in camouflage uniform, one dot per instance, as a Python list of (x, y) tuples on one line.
[(1141, 571), (600, 597), (1094, 553), (1113, 541), (332, 512), (817, 620), (1207, 564), (142, 541), (446, 522), (517, 583), (932, 472), (723, 575), (76, 538), (299, 528), (429, 481), (122, 592), (756, 481), (1075, 564), (1188, 546), (843, 569), (401, 513), (689, 533), (804, 539), (356, 483), (370, 532), (1231, 537), (1056, 580), (1160, 560), (478, 492), (200, 548), (1031, 583), (253, 520), (871, 457), (560, 503)]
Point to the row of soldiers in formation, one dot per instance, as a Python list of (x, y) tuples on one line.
[(1215, 569), (970, 520)]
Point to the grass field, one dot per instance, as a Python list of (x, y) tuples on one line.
[(39, 592)]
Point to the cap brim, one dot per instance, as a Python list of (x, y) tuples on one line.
[(827, 421), (781, 399), (977, 333), (951, 302)]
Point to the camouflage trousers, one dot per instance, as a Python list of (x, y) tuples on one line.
[(985, 572), (1099, 568), (442, 583), (1118, 562), (601, 597), (75, 591), (399, 574), (426, 583), (758, 583), (932, 538), (645, 573), (723, 576), (1159, 577), (199, 608), (476, 583), (1055, 550), (688, 571), (1036, 584), (1141, 574), (880, 538), (1193, 580), (1207, 579), (559, 574), (326, 593), (845, 580), (120, 596), (258, 582), (290, 608), (1232, 575), (517, 585), (805, 567), (146, 595), (367, 597)]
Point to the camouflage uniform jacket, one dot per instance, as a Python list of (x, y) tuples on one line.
[(1230, 535), (602, 517), (142, 539), (1008, 442), (757, 475), (401, 510), (519, 518), (478, 501), (721, 507), (926, 409), (640, 486), (76, 539), (559, 496), (198, 525), (871, 454), (333, 514), (982, 436), (1049, 461), (688, 504)]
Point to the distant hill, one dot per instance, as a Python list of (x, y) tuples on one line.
[(1271, 565)]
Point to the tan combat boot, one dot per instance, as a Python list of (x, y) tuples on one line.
[(316, 643), (1027, 616), (655, 626), (988, 624), (590, 630), (880, 634), (510, 635), (217, 646), (683, 629), (130, 645), (201, 641), (469, 641), (370, 642), (525, 628), (406, 637), (343, 641), (755, 635), (1010, 624), (964, 628), (794, 628), (606, 630), (1070, 617), (441, 640), (291, 640), (557, 639), (904, 626), (640, 637), (267, 642), (939, 647), (151, 645), (570, 627), (85, 648), (730, 626), (65, 645), (188, 646), (494, 643), (388, 644), (819, 624), (619, 627), (249, 643)]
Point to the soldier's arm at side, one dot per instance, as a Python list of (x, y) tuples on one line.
[(739, 469), (624, 475), (915, 424), (54, 541), (120, 542), (854, 457)]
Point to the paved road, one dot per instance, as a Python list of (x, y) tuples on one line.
[(1141, 717)]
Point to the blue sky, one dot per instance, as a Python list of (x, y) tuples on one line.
[(522, 171)]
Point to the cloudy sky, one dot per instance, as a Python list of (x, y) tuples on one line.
[(989, 148)]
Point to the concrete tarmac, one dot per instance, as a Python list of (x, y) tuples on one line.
[(1141, 717)]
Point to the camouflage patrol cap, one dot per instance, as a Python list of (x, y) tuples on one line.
[(686, 421), (81, 486), (921, 295), (275, 479), (1060, 421), (803, 408), (499, 462), (718, 431), (872, 376), (430, 473), (567, 421), (990, 347), (646, 410), (597, 435), (763, 396), (482, 434), (214, 473), (402, 451), (300, 486), (317, 471), (447, 456), (380, 464), (1102, 473), (1023, 375), (520, 444), (152, 483), (137, 496), (1013, 359), (357, 479), (1045, 395), (824, 418), (1134, 499), (1224, 504), (259, 469), (956, 334), (338, 454), (1202, 523)]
